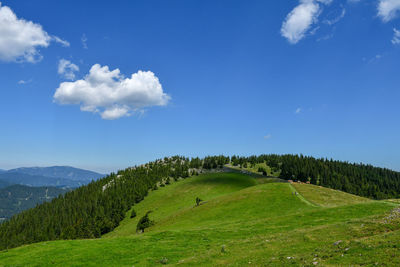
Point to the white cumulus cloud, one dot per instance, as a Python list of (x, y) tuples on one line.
[(388, 9), (21, 39), (112, 95), (67, 69), (299, 21)]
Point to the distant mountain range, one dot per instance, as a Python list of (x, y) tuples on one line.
[(17, 198), (57, 176)]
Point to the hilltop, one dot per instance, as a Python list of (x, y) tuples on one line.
[(219, 201), (243, 221)]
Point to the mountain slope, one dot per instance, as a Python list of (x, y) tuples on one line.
[(63, 172), (16, 198), (240, 223)]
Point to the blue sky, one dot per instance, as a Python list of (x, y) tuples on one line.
[(316, 77)]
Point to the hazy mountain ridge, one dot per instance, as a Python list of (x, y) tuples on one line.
[(65, 172), (58, 176), (38, 180)]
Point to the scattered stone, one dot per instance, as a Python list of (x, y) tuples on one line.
[(164, 261), (315, 263), (289, 258), (346, 249), (267, 240), (342, 255), (394, 215), (337, 242)]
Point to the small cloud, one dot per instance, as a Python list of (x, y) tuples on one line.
[(375, 58), (60, 41), (298, 110), (388, 9), (24, 82), (67, 69), (112, 95), (84, 41), (268, 136), (325, 37), (396, 37), (300, 20)]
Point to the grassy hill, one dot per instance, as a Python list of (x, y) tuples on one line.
[(242, 221)]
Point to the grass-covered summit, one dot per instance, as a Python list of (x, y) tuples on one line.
[(242, 221)]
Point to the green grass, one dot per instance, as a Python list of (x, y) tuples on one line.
[(259, 224), (327, 197)]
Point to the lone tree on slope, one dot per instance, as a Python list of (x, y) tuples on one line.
[(198, 201), (144, 223)]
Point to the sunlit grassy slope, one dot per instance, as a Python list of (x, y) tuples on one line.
[(258, 224)]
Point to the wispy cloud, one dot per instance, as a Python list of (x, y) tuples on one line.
[(67, 69), (337, 18), (24, 81), (268, 136), (396, 37), (298, 110), (61, 41), (84, 41)]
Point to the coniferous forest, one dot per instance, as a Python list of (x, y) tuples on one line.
[(99, 207)]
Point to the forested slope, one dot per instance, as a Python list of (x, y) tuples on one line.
[(97, 208), (355, 178)]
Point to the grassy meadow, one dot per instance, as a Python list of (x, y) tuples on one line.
[(242, 221)]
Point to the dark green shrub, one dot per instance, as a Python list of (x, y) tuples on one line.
[(144, 223)]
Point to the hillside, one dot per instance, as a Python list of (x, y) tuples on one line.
[(242, 221), (17, 198)]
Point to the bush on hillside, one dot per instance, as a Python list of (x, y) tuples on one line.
[(144, 223), (198, 201)]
